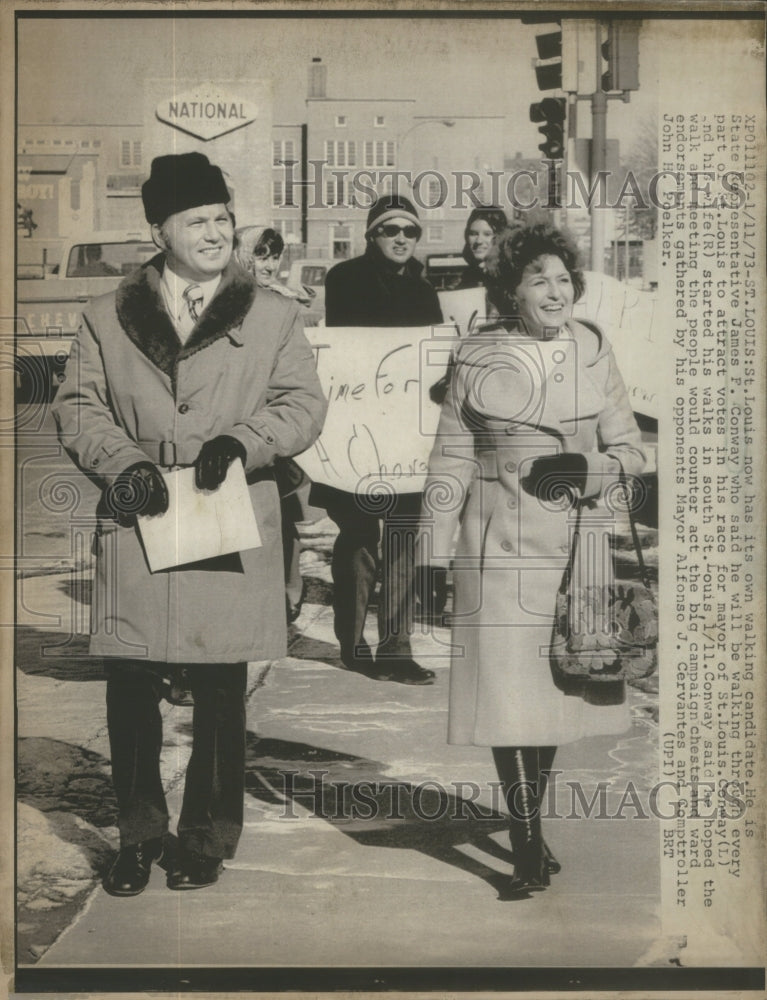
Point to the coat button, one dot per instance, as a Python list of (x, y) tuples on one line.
[(506, 546), (511, 503), (511, 466), (184, 408), (94, 463)]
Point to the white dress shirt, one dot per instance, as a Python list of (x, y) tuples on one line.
[(173, 288)]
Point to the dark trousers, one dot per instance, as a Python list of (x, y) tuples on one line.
[(355, 566), (212, 809)]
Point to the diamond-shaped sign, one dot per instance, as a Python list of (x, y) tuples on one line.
[(206, 113)]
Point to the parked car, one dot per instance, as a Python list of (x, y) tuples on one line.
[(307, 275), (49, 309)]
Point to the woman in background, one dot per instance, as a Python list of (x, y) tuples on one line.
[(258, 250), (482, 228)]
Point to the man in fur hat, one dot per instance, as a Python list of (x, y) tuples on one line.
[(187, 364)]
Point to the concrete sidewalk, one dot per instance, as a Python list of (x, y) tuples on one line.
[(315, 883)]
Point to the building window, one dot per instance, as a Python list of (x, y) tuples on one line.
[(335, 192), (96, 143), (277, 193), (86, 143), (340, 153), (379, 121), (435, 193), (74, 196), (379, 153), (283, 151), (340, 242), (340, 121), (290, 201), (435, 234), (130, 153)]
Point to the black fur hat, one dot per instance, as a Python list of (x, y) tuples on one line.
[(182, 181)]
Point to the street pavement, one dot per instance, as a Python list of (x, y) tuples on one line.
[(318, 880)]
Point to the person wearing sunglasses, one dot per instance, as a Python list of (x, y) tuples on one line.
[(383, 287)]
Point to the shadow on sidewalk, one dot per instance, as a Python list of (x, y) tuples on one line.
[(355, 796), (57, 655)]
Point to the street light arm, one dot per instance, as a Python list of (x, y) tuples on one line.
[(447, 122)]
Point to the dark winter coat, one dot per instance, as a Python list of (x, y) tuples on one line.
[(365, 292), (247, 371)]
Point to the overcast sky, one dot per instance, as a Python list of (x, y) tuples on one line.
[(92, 70)]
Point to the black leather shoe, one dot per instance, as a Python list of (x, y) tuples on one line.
[(130, 872), (194, 871), (552, 865), (403, 671), (359, 659)]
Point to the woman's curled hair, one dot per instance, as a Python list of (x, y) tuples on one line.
[(518, 246)]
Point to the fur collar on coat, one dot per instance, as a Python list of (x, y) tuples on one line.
[(142, 314)]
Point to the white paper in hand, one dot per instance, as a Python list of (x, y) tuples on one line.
[(199, 524)]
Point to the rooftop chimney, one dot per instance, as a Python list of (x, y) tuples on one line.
[(318, 78)]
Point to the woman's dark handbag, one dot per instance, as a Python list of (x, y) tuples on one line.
[(605, 633)]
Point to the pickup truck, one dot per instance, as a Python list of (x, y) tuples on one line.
[(49, 308), (307, 275)]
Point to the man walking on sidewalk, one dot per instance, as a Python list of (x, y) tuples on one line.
[(383, 287), (187, 364)]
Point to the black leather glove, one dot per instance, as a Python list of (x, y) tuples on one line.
[(549, 475), (214, 460), (139, 489), (431, 590)]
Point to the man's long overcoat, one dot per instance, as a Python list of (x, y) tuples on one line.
[(511, 400), (132, 393)]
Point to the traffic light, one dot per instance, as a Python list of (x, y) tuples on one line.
[(621, 51), (548, 72), (551, 112)]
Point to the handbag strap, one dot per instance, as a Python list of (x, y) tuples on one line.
[(564, 586), (635, 535), (567, 575)]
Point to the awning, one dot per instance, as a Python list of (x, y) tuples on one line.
[(42, 163)]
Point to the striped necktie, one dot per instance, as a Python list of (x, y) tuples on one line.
[(193, 297)]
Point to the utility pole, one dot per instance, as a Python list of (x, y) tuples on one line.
[(598, 165)]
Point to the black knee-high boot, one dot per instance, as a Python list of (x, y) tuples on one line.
[(546, 762), (519, 771)]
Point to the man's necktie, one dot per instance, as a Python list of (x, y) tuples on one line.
[(193, 296)]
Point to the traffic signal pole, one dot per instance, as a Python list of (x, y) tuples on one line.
[(598, 164)]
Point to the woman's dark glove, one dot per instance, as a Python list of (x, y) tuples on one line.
[(214, 460), (550, 475), (139, 489)]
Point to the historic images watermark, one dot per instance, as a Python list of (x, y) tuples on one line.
[(436, 801), (550, 186)]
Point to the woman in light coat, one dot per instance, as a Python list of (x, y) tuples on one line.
[(536, 413)]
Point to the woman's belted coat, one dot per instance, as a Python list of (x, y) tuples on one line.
[(133, 392), (512, 399)]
